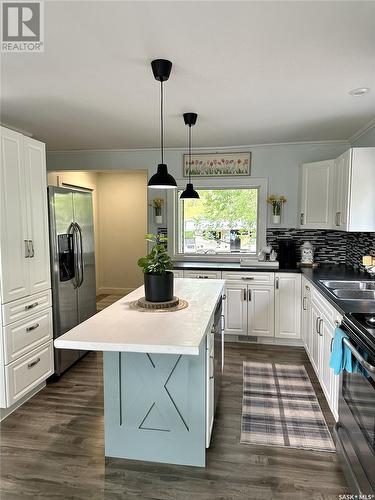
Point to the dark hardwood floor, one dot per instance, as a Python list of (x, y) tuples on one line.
[(52, 447)]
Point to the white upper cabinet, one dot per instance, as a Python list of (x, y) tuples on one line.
[(341, 191), (288, 305), (361, 192), (13, 218), (24, 219), (316, 195), (339, 194), (36, 185)]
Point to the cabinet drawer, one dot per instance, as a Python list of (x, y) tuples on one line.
[(256, 278), (202, 274), (29, 371), (22, 308), (25, 335)]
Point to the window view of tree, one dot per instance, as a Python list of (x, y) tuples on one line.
[(221, 221)]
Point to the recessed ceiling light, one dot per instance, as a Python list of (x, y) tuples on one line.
[(359, 92)]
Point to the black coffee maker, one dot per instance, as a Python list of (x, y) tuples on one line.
[(287, 254)]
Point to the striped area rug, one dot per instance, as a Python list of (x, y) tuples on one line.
[(280, 408)]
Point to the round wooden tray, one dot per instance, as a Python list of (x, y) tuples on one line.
[(144, 305)]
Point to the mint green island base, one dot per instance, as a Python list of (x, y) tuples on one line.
[(155, 407)]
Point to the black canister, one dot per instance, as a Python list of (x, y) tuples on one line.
[(287, 254)]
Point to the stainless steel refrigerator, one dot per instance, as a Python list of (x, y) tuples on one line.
[(72, 265)]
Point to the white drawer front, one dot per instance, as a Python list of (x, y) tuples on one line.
[(203, 274), (25, 335), (256, 278), (324, 306), (28, 372), (22, 308)]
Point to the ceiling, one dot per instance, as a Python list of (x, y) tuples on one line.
[(255, 72)]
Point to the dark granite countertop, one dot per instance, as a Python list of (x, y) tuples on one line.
[(227, 266), (314, 275)]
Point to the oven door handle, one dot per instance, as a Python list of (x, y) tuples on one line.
[(359, 357)]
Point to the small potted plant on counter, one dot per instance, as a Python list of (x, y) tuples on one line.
[(157, 204), (277, 203), (156, 267)]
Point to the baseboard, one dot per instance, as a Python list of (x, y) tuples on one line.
[(243, 339), (5, 412), (113, 291)]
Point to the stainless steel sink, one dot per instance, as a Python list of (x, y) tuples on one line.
[(354, 294), (349, 285), (351, 290)]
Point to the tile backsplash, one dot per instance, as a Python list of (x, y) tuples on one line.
[(331, 247)]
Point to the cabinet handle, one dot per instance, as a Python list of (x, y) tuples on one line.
[(31, 306), (304, 304), (316, 324), (307, 287), (247, 278), (31, 328), (224, 297), (331, 344), (249, 295), (223, 322), (212, 359), (244, 294), (33, 363), (338, 218), (31, 246), (320, 327), (277, 283), (27, 250), (302, 218)]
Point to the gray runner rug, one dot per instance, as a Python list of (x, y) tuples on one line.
[(280, 408)]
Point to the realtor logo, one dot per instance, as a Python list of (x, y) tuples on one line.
[(22, 26)]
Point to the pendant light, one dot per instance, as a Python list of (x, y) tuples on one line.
[(190, 119), (161, 69)]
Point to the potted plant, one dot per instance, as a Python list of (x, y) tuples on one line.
[(157, 204), (277, 203), (156, 266)]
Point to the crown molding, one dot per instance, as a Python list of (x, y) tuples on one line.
[(368, 126), (213, 149)]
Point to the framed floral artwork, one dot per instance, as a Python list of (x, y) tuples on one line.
[(217, 164)]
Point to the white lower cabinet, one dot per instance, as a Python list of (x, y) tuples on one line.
[(28, 371), (306, 331), (235, 308), (288, 305), (178, 273), (260, 311), (318, 328), (202, 274)]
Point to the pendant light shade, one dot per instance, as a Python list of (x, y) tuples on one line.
[(190, 119), (162, 179), (161, 69)]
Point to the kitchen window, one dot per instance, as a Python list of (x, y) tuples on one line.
[(226, 222)]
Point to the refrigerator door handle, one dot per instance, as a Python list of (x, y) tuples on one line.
[(81, 265), (73, 230)]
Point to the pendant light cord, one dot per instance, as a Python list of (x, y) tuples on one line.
[(161, 122), (189, 154)]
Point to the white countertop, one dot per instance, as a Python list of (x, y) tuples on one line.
[(120, 328)]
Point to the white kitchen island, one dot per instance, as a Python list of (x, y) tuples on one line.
[(158, 367)]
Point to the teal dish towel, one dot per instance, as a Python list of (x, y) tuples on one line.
[(341, 357)]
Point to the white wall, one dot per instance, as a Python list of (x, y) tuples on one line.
[(279, 163), (122, 208)]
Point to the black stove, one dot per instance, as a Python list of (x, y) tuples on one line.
[(362, 327)]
